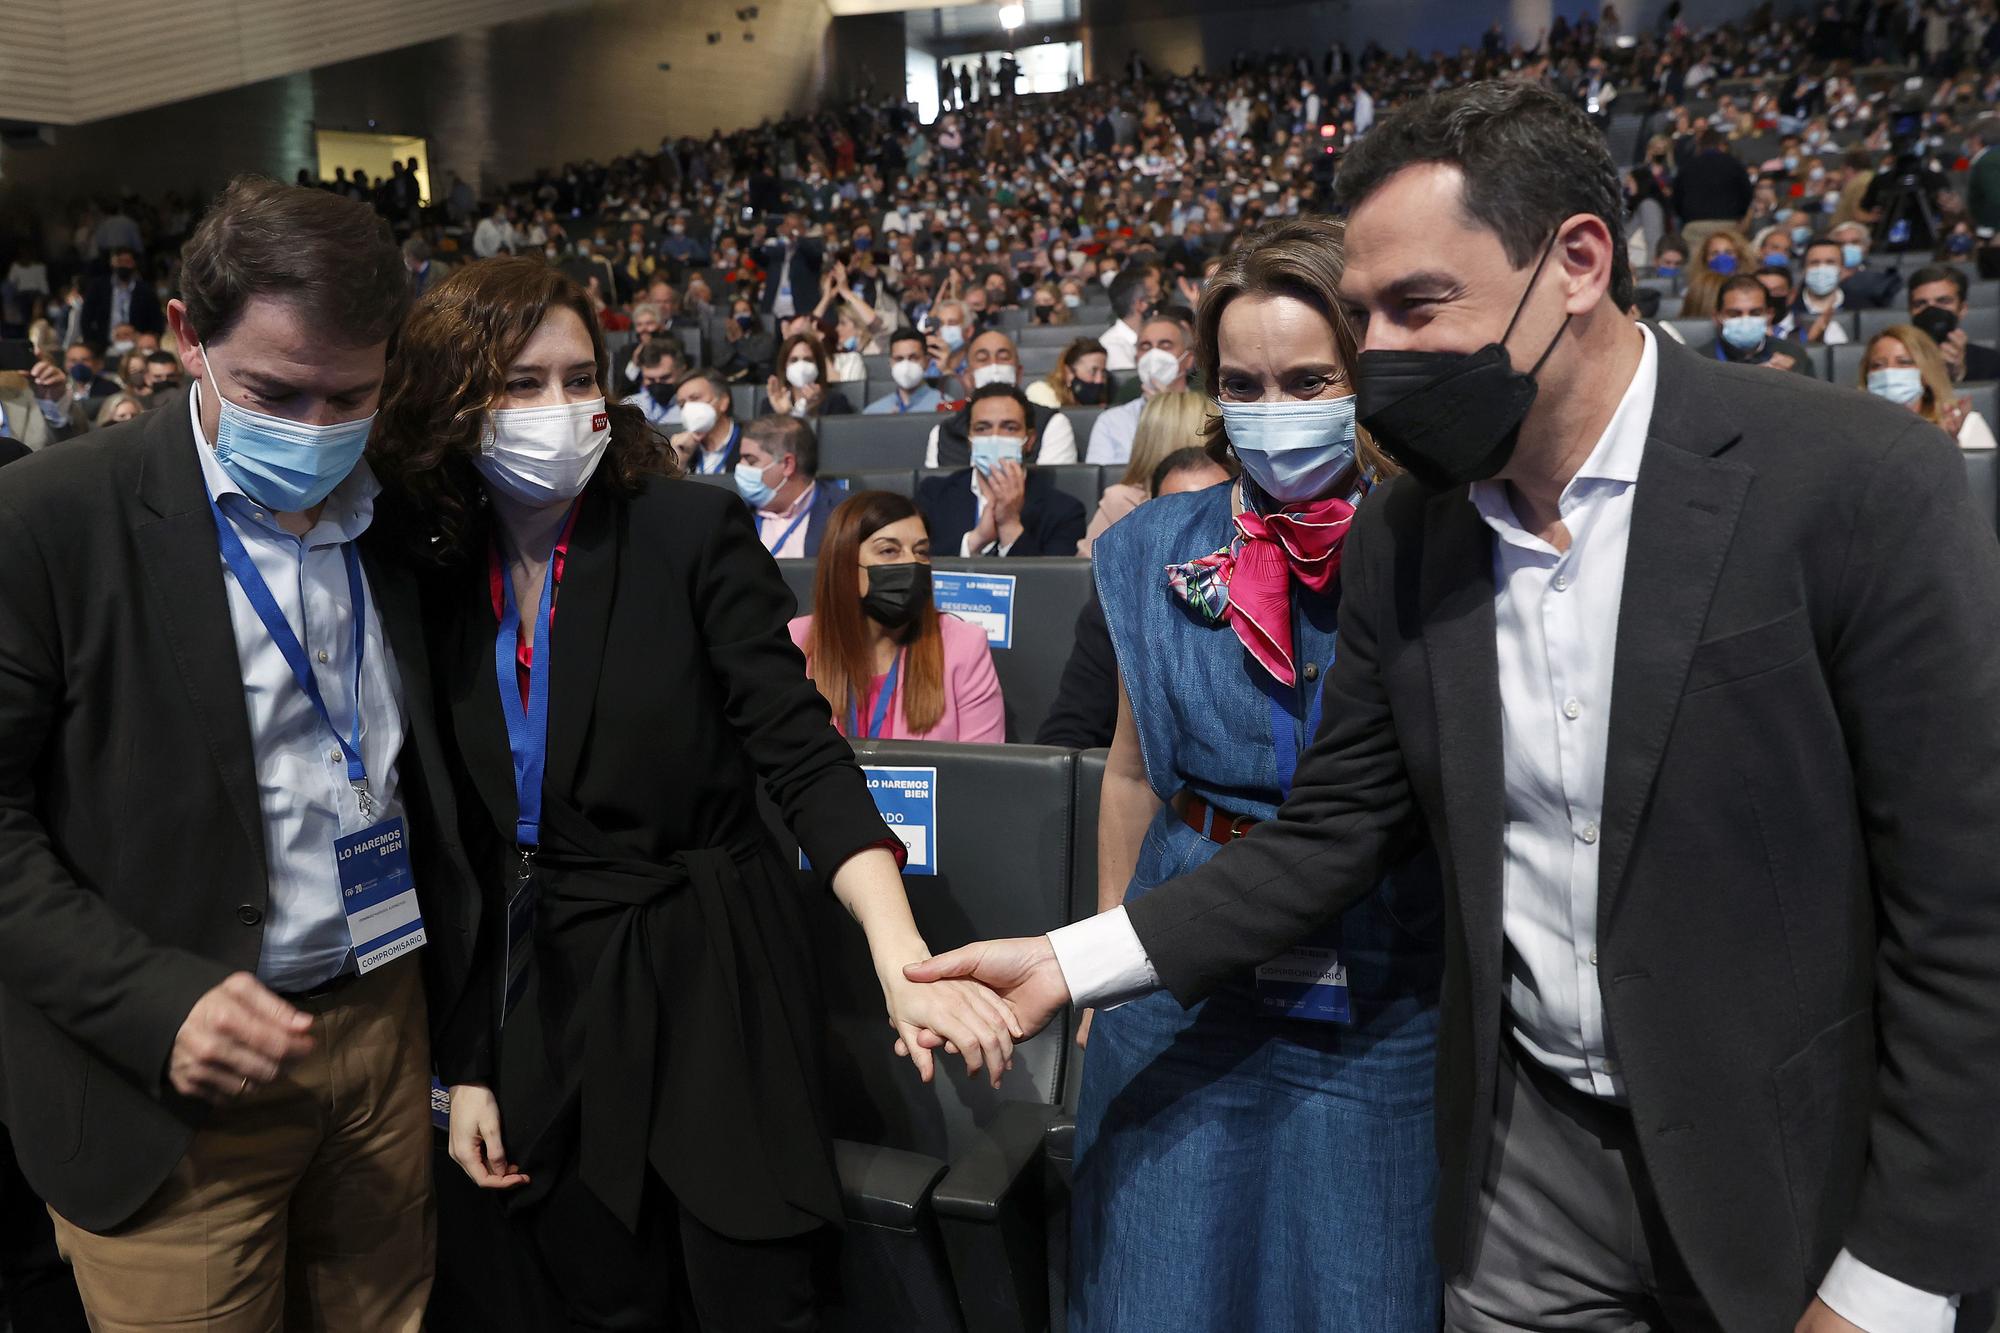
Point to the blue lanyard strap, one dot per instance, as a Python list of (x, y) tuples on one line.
[(527, 725), (879, 714), (1285, 736), (786, 535), (258, 593)]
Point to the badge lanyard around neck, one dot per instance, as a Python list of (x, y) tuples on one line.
[(879, 714), (258, 594), (528, 723)]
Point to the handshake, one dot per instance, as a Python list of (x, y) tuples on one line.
[(975, 1002)]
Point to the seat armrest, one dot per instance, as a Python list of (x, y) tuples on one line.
[(884, 1187), (979, 1182)]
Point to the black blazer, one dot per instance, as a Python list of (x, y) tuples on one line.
[(1052, 523), (808, 257), (676, 690), (1981, 363), (132, 872), (1799, 913), (147, 317)]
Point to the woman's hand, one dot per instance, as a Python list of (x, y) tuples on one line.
[(779, 393), (475, 1138), (1951, 415), (964, 1017)]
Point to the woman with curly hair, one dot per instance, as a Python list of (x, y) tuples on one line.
[(613, 671)]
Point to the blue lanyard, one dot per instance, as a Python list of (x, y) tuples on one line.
[(786, 535), (258, 594), (527, 726), (1285, 735), (879, 715)]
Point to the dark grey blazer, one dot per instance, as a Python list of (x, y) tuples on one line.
[(132, 858), (1799, 924)]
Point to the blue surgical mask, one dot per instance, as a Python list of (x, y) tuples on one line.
[(989, 450), (1800, 235), (1960, 244), (953, 335), (1779, 260), (1899, 384), (1852, 255), (750, 485), (1822, 279), (1667, 271), (1745, 333), (287, 466), (1722, 263), (1293, 449)]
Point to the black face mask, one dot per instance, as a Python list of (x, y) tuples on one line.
[(1938, 324), (662, 395), (1450, 417), (1088, 394), (897, 594)]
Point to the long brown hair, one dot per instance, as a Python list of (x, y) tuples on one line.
[(1058, 379), (839, 646), (1300, 257), (449, 365)]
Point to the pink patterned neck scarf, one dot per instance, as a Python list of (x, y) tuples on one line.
[(1248, 583)]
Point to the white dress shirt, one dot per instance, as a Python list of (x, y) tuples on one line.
[(1058, 444), (1121, 346), (302, 788), (1556, 629), (1112, 434)]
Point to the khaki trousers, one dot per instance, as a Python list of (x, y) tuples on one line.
[(306, 1205)]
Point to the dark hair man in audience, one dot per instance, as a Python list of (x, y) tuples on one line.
[(1135, 288), (748, 348), (1675, 693), (1937, 305), (121, 297), (1743, 329), (425, 269), (1820, 299), (163, 378), (662, 366), (1001, 504), (1866, 288), (792, 261), (909, 364), (992, 359), (1085, 711), (219, 1079), (85, 364), (1781, 287), (778, 477), (1166, 360), (710, 441)]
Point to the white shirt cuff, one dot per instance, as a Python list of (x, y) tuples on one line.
[(1102, 961), (1879, 1303)]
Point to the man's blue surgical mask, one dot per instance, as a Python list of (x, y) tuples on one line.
[(1822, 279), (1852, 255), (751, 486), (1294, 449), (1745, 333), (988, 451), (286, 466)]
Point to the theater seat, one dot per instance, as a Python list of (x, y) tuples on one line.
[(1003, 851), (1845, 363), (1981, 466), (1081, 419), (859, 443), (1984, 397), (900, 480)]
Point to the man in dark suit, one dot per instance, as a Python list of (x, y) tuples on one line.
[(792, 261), (426, 271), (778, 477), (182, 993), (1937, 306), (1743, 317), (1000, 506), (1712, 190), (1708, 741), (121, 297), (1863, 287)]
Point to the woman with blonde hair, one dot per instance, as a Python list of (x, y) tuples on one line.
[(1169, 421), (1297, 1115), (1904, 366)]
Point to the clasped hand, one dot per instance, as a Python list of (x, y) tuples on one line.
[(1022, 974)]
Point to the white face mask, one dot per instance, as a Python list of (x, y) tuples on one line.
[(801, 373), (1158, 368), (997, 373), (539, 455), (1898, 384), (699, 417), (907, 374)]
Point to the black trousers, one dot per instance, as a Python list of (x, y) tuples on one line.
[(675, 1273), (37, 1293)]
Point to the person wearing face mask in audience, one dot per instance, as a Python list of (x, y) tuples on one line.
[(1640, 641), (1046, 306), (799, 386), (1865, 288), (890, 664), (954, 327), (747, 347), (1743, 330), (710, 441), (992, 359), (121, 297), (1166, 360), (1132, 291), (778, 477), (1268, 1109), (1937, 305), (1904, 366), (1000, 504), (647, 1016), (660, 372), (209, 583), (909, 366), (1078, 380), (1814, 315)]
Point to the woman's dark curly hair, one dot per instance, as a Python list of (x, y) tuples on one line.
[(449, 365)]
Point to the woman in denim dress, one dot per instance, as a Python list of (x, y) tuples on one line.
[(1263, 1160)]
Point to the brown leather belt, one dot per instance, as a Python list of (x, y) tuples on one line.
[(1213, 823)]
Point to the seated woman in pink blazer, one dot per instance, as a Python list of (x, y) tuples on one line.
[(889, 664)]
